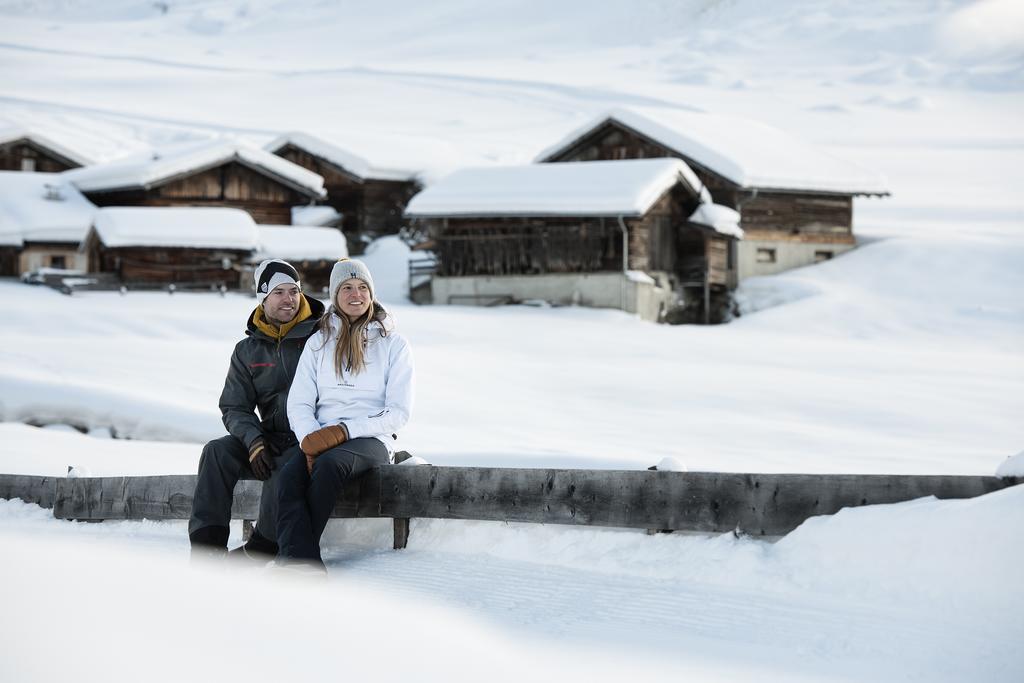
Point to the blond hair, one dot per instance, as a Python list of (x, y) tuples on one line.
[(350, 351)]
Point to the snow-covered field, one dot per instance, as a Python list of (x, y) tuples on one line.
[(905, 355)]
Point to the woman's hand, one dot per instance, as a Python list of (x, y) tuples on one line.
[(322, 440)]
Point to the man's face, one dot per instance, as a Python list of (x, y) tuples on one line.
[(281, 305)]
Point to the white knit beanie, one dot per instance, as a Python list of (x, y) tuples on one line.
[(346, 269), (274, 272)]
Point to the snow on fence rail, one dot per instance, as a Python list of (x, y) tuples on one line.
[(756, 504)]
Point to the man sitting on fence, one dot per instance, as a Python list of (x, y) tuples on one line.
[(262, 367)]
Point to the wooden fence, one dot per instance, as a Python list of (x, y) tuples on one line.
[(756, 504)]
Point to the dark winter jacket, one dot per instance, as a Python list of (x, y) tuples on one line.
[(260, 375)]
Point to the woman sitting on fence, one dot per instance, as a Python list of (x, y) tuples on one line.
[(352, 393)]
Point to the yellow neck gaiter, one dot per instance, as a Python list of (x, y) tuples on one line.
[(278, 333)]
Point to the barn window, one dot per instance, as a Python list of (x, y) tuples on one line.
[(58, 261), (820, 256), (765, 255), (28, 164)]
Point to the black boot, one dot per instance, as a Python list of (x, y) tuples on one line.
[(258, 549), (209, 543)]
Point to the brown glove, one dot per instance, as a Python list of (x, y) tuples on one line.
[(323, 439)]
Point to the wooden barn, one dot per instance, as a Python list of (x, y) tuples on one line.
[(42, 221), (208, 174), (160, 246), (795, 201), (371, 200), (25, 150), (312, 250), (641, 236)]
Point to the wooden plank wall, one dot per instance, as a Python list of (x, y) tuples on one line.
[(793, 214), (715, 502), (524, 246), (46, 161)]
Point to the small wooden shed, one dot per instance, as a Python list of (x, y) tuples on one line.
[(370, 199), (633, 235), (795, 201), (181, 246), (42, 221), (30, 151), (209, 174)]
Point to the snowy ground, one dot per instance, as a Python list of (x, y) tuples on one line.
[(903, 356)]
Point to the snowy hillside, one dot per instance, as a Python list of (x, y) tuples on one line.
[(904, 356)]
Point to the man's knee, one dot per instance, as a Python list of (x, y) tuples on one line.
[(223, 454)]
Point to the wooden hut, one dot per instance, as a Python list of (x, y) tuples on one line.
[(42, 221), (371, 200), (208, 174), (25, 150), (181, 246), (795, 201), (636, 235), (312, 250)]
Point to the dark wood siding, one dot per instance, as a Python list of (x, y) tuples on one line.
[(524, 246), (9, 261), (229, 185), (13, 154), (798, 214), (166, 265), (370, 207)]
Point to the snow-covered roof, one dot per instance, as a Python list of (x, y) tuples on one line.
[(748, 153), (299, 243), (590, 188), (150, 169), (16, 133), (42, 207), (719, 218), (191, 227), (317, 216), (342, 158)]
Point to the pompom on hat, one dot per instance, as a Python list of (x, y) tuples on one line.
[(346, 269), (274, 272)]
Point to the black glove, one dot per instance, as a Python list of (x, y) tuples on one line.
[(261, 458)]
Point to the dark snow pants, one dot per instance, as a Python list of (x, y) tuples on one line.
[(224, 462), (305, 501)]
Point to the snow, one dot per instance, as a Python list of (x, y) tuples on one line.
[(749, 153), (1011, 467), (150, 168), (719, 218), (671, 464), (14, 134), (315, 216), (300, 243), (593, 188), (28, 213), (343, 159), (902, 356), (195, 227)]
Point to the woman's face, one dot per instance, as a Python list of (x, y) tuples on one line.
[(353, 298)]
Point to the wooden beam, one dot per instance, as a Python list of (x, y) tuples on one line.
[(757, 504), (29, 488)]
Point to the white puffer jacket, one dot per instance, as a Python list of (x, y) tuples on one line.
[(376, 402)]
